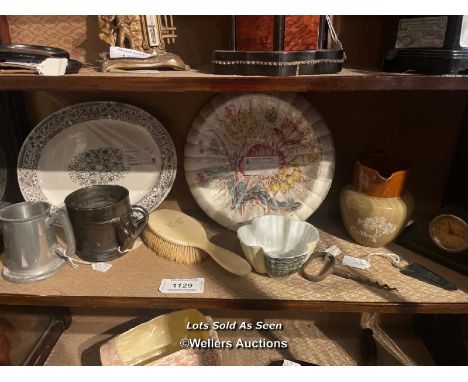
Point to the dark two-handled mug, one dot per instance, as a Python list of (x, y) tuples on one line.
[(104, 222)]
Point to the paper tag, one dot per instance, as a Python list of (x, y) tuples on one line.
[(290, 363), (52, 67), (333, 251), (118, 52), (354, 262), (101, 267), (136, 157), (49, 67), (182, 285), (265, 166)]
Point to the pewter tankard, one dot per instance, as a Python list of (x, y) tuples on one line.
[(32, 252), (101, 217)]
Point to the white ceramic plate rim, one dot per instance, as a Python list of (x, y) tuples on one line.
[(31, 150)]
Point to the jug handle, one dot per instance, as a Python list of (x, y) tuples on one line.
[(137, 229), (61, 217)]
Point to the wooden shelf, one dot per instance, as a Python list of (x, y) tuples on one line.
[(195, 81), (320, 339), (134, 279)]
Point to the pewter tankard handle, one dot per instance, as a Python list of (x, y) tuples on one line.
[(132, 229), (61, 217)]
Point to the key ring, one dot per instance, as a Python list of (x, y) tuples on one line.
[(327, 269)]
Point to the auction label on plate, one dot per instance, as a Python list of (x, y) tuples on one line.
[(182, 285), (261, 166), (135, 157)]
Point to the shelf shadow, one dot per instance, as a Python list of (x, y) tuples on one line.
[(90, 356)]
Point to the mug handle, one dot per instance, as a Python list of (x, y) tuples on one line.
[(132, 231), (61, 217)]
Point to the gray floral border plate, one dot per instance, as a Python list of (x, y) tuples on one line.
[(33, 146)]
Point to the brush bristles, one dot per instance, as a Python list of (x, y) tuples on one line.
[(174, 252)]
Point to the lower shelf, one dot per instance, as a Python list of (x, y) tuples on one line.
[(317, 338)]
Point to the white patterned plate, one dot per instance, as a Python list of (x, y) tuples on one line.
[(98, 143), (251, 155)]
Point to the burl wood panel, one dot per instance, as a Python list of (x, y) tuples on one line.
[(256, 33), (301, 33)]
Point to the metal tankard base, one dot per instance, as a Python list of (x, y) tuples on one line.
[(97, 257), (28, 277)]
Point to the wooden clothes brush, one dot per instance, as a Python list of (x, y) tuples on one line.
[(180, 238)]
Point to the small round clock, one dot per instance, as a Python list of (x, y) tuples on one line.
[(449, 233)]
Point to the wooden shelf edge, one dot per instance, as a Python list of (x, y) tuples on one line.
[(199, 82), (238, 304)]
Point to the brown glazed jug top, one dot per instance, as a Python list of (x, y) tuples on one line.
[(381, 175)]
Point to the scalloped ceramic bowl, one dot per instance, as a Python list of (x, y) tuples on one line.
[(277, 245)]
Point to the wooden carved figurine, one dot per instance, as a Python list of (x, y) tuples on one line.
[(107, 29), (124, 28)]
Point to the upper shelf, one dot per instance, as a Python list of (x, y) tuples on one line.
[(195, 81)]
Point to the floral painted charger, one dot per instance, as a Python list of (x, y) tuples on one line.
[(98, 143), (251, 155)]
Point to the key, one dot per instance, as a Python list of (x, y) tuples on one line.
[(362, 279), (329, 267)]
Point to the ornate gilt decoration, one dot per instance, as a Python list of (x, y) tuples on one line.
[(149, 34)]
